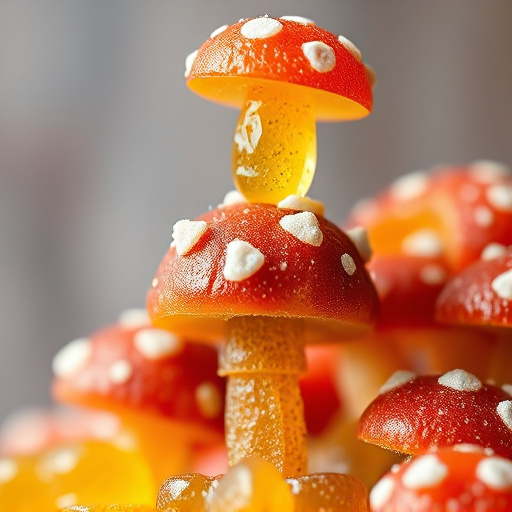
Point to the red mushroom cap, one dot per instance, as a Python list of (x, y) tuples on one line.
[(258, 50), (415, 414), (459, 478), (257, 259)]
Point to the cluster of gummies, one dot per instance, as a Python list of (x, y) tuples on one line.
[(243, 289)]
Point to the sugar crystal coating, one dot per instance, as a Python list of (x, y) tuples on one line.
[(242, 261), (348, 264), (504, 410), (399, 378), (305, 204), (304, 226), (460, 380), (186, 233), (320, 55), (425, 471), (261, 28)]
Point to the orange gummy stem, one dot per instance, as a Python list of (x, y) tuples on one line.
[(263, 358)]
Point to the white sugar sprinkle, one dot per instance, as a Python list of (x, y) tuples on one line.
[(433, 274), (298, 19), (8, 470), (424, 242), (495, 472), (360, 239), (186, 233), (409, 186), (233, 197), (504, 410), (304, 226), (261, 28), (351, 47), (500, 196), (189, 62), (304, 204), (248, 172), (493, 250), (218, 31), (70, 358), (120, 371), (208, 399), (381, 492), (425, 471), (320, 56), (487, 171), (135, 317), (242, 261), (483, 216), (157, 344), (398, 379), (502, 285), (460, 380), (348, 263)]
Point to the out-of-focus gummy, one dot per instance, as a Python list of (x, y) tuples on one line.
[(109, 508)]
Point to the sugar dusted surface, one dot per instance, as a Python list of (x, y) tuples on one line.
[(504, 410), (320, 56), (399, 378), (304, 204), (242, 260), (261, 28), (460, 380), (348, 264), (186, 233), (425, 471), (304, 226)]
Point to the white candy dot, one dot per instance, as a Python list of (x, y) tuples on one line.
[(483, 216), (398, 379), (298, 19), (504, 410), (351, 47), (156, 344), (487, 171), (189, 62), (233, 197), (186, 233), (495, 472), (425, 471), (460, 380), (321, 56), (305, 204), (66, 500), (218, 31), (242, 261), (502, 285), (8, 470), (70, 358), (348, 263), (493, 250), (63, 461), (304, 226), (120, 371), (424, 242), (135, 317), (433, 274), (382, 492), (360, 239), (409, 186), (261, 28), (500, 196), (208, 400)]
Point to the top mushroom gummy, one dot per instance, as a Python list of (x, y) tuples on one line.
[(284, 74)]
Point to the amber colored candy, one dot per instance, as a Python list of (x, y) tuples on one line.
[(91, 473), (109, 508)]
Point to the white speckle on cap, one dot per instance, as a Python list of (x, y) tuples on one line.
[(304, 204), (460, 380), (483, 216), (233, 197), (495, 472), (487, 171), (261, 28), (154, 283), (410, 186), (134, 317), (500, 196), (156, 343), (504, 410), (425, 471), (398, 379), (382, 492), (248, 172), (320, 56), (242, 261), (120, 371), (348, 263), (70, 358), (189, 62), (66, 500), (493, 250), (360, 239), (433, 274), (186, 233), (298, 19), (469, 448), (351, 47), (283, 266), (502, 285), (218, 31), (424, 242), (8, 470), (507, 388), (208, 400), (304, 226)]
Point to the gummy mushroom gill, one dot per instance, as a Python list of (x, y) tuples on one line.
[(284, 74), (267, 279)]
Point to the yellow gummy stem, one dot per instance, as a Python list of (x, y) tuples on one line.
[(274, 150)]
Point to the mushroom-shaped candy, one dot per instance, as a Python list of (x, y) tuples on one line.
[(284, 74), (415, 414), (165, 389), (273, 277), (459, 478)]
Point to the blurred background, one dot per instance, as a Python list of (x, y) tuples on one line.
[(102, 147)]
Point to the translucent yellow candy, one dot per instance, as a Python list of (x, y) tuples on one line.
[(274, 150), (109, 508), (90, 473)]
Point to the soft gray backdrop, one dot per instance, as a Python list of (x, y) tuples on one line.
[(102, 148)]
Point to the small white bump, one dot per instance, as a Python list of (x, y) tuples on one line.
[(500, 196), (247, 172), (132, 318), (208, 400), (468, 448), (432, 274), (460, 380), (66, 500), (493, 250), (298, 19), (424, 242), (157, 344), (120, 371), (304, 204), (304, 226), (321, 56), (261, 28), (70, 358), (154, 283), (398, 379), (242, 261), (348, 264), (487, 171), (483, 216), (218, 31), (425, 471), (233, 197), (495, 472), (410, 186), (8, 470), (504, 410), (502, 285), (381, 493), (186, 233), (351, 47), (360, 239), (189, 62)]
